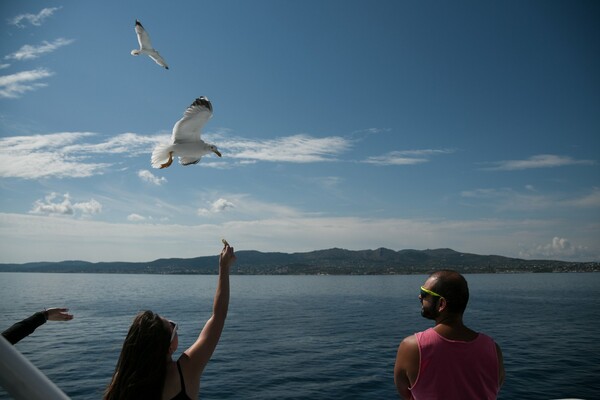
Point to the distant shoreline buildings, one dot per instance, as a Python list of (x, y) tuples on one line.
[(321, 262)]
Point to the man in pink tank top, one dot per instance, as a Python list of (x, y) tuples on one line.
[(449, 361)]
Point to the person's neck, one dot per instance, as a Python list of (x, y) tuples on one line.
[(453, 321), (451, 326)]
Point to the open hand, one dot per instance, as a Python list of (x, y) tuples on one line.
[(59, 314)]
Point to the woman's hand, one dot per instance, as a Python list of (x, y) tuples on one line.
[(227, 257), (58, 314)]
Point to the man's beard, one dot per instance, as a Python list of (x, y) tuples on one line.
[(430, 312)]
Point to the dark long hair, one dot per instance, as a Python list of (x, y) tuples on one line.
[(142, 366)]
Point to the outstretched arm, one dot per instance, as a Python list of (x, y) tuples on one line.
[(26, 327), (200, 352)]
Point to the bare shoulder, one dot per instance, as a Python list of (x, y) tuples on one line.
[(409, 343), (408, 352), (406, 369)]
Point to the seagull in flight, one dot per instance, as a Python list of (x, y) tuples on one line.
[(146, 46), (185, 139)]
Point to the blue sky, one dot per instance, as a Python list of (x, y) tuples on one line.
[(472, 125)]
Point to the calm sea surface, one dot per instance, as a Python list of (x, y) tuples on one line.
[(310, 337)]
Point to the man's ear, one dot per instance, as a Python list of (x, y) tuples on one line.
[(442, 304)]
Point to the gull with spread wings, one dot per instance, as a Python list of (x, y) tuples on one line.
[(185, 139), (146, 46)]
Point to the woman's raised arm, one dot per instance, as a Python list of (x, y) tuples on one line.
[(200, 352)]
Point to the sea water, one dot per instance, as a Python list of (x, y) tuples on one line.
[(310, 337)]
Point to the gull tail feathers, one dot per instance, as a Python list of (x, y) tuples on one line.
[(162, 156)]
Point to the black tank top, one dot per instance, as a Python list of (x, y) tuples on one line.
[(181, 395)]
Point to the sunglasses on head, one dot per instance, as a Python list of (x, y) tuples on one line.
[(174, 329), (425, 292)]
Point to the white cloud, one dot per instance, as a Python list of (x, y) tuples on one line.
[(538, 161), (217, 206), (135, 218), (147, 176), (41, 142), (295, 149), (88, 207), (221, 205), (59, 149), (129, 144), (33, 19), (65, 155), (4, 66), (29, 52), (13, 86), (559, 248), (245, 207), (406, 157), (43, 156), (49, 206)]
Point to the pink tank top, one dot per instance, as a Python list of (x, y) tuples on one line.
[(451, 369)]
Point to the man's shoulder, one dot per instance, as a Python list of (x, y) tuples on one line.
[(410, 341)]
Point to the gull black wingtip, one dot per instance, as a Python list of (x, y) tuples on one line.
[(203, 101)]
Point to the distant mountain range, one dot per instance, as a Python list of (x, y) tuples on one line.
[(334, 261)]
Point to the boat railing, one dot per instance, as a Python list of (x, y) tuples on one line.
[(21, 379)]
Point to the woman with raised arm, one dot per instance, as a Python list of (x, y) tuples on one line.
[(146, 370)]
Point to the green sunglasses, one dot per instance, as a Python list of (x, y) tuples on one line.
[(425, 292)]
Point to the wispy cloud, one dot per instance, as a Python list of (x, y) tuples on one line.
[(364, 133), (149, 177), (129, 144), (406, 157), (137, 218), (48, 206), (586, 201), (538, 161), (294, 149), (508, 199), (505, 199), (13, 86), (30, 52), (43, 156), (326, 182), (33, 19), (63, 155)]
